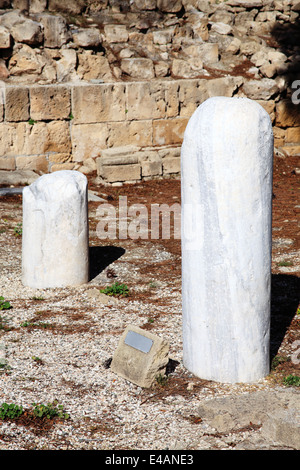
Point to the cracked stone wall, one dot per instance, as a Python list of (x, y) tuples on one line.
[(108, 86)]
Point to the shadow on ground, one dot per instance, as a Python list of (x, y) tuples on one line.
[(101, 257), (284, 303)]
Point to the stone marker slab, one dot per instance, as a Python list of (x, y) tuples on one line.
[(140, 356)]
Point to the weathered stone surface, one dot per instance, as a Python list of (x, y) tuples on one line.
[(5, 38), (16, 103), (190, 68), (50, 102), (88, 140), (94, 67), (55, 231), (87, 37), (22, 29), (166, 132), (119, 173), (99, 103), (137, 366), (277, 412), (226, 258), (138, 68), (172, 6), (287, 114), (73, 7), (66, 66), (56, 32), (115, 33), (38, 163), (260, 89)]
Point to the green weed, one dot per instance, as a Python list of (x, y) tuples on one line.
[(116, 289), (51, 410), (4, 304), (10, 411), (292, 380)]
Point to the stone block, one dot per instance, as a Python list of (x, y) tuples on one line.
[(287, 114), (130, 133), (293, 134), (119, 173), (56, 32), (12, 138), (171, 165), (89, 37), (138, 68), (94, 67), (169, 6), (169, 132), (140, 356), (151, 168), (99, 103), (58, 137), (115, 33), (88, 140), (16, 104), (5, 38), (7, 163), (50, 102), (37, 163), (190, 68), (146, 100), (262, 89)]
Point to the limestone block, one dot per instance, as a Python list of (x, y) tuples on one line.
[(169, 132), (226, 178), (89, 37), (56, 32), (7, 163), (37, 6), (292, 135), (191, 94), (207, 52), (287, 114), (22, 29), (62, 167), (99, 103), (130, 133), (140, 361), (138, 68), (119, 173), (163, 37), (161, 69), (151, 168), (38, 163), (12, 138), (73, 7), (146, 100), (145, 4), (5, 38), (58, 137), (169, 6), (66, 66), (262, 89), (189, 68), (115, 33), (50, 102), (171, 165), (88, 140), (16, 103), (94, 66), (221, 28), (224, 86), (55, 231), (26, 60)]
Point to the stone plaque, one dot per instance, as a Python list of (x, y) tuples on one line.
[(140, 356)]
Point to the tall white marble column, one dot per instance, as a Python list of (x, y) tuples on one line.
[(226, 180), (55, 231)]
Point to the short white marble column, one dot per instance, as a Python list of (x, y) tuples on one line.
[(55, 231), (226, 179)]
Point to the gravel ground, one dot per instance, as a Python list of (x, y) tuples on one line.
[(59, 343)]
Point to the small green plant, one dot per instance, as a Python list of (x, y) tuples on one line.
[(35, 297), (278, 360), (285, 263), (70, 116), (37, 360), (162, 380), (116, 289), (31, 121), (4, 304), (10, 411), (18, 230), (51, 410), (292, 380)]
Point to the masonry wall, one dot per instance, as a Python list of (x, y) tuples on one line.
[(126, 131)]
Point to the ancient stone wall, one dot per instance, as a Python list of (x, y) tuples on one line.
[(109, 86)]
